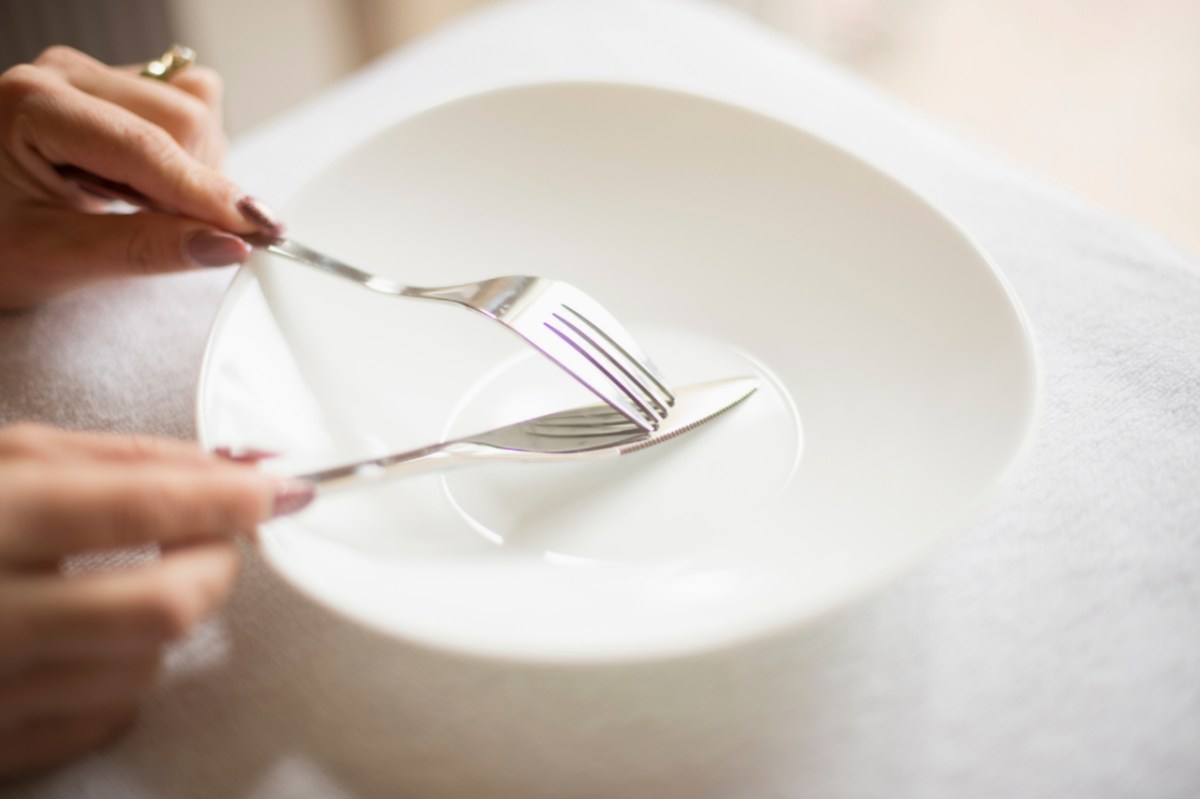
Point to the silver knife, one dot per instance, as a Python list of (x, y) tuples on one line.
[(590, 432)]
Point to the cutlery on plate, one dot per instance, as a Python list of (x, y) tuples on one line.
[(562, 322), (590, 432)]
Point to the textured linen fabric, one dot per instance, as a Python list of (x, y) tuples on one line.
[(1052, 649)]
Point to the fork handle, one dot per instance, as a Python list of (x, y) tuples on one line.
[(472, 295), (306, 255), (278, 245)]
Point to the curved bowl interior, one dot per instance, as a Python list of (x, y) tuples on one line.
[(898, 372)]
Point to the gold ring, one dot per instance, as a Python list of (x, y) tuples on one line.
[(170, 63)]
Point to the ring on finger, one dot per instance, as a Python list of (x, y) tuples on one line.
[(170, 63)]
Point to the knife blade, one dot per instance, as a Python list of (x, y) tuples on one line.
[(585, 433)]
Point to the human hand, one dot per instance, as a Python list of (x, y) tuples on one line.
[(77, 650), (163, 140)]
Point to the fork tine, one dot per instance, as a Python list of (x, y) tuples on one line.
[(638, 382), (610, 385), (634, 387), (605, 326), (625, 374)]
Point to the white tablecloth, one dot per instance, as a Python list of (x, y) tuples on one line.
[(1053, 650)]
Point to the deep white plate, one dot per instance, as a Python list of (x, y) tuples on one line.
[(898, 371)]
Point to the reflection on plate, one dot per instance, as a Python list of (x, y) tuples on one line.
[(899, 375)]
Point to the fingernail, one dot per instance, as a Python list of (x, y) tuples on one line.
[(292, 496), (244, 454), (258, 213), (213, 248)]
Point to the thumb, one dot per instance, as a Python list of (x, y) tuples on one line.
[(53, 249)]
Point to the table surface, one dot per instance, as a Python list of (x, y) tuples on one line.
[(1050, 650)]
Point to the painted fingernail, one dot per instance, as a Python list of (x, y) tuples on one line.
[(292, 496), (213, 248), (244, 454), (256, 212)]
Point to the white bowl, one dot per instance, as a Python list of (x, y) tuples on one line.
[(899, 375)]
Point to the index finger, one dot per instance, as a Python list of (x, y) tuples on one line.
[(45, 442), (61, 124), (54, 511), (191, 119)]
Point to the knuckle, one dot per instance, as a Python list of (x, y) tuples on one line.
[(150, 509), (216, 515), (205, 83), (22, 77), (20, 83), (60, 55), (141, 512), (151, 247), (143, 252), (151, 141), (191, 124)]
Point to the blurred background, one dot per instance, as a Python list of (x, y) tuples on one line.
[(1101, 95)]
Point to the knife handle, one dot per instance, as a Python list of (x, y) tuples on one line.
[(434, 458)]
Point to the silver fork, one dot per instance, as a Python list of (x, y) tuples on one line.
[(564, 323)]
